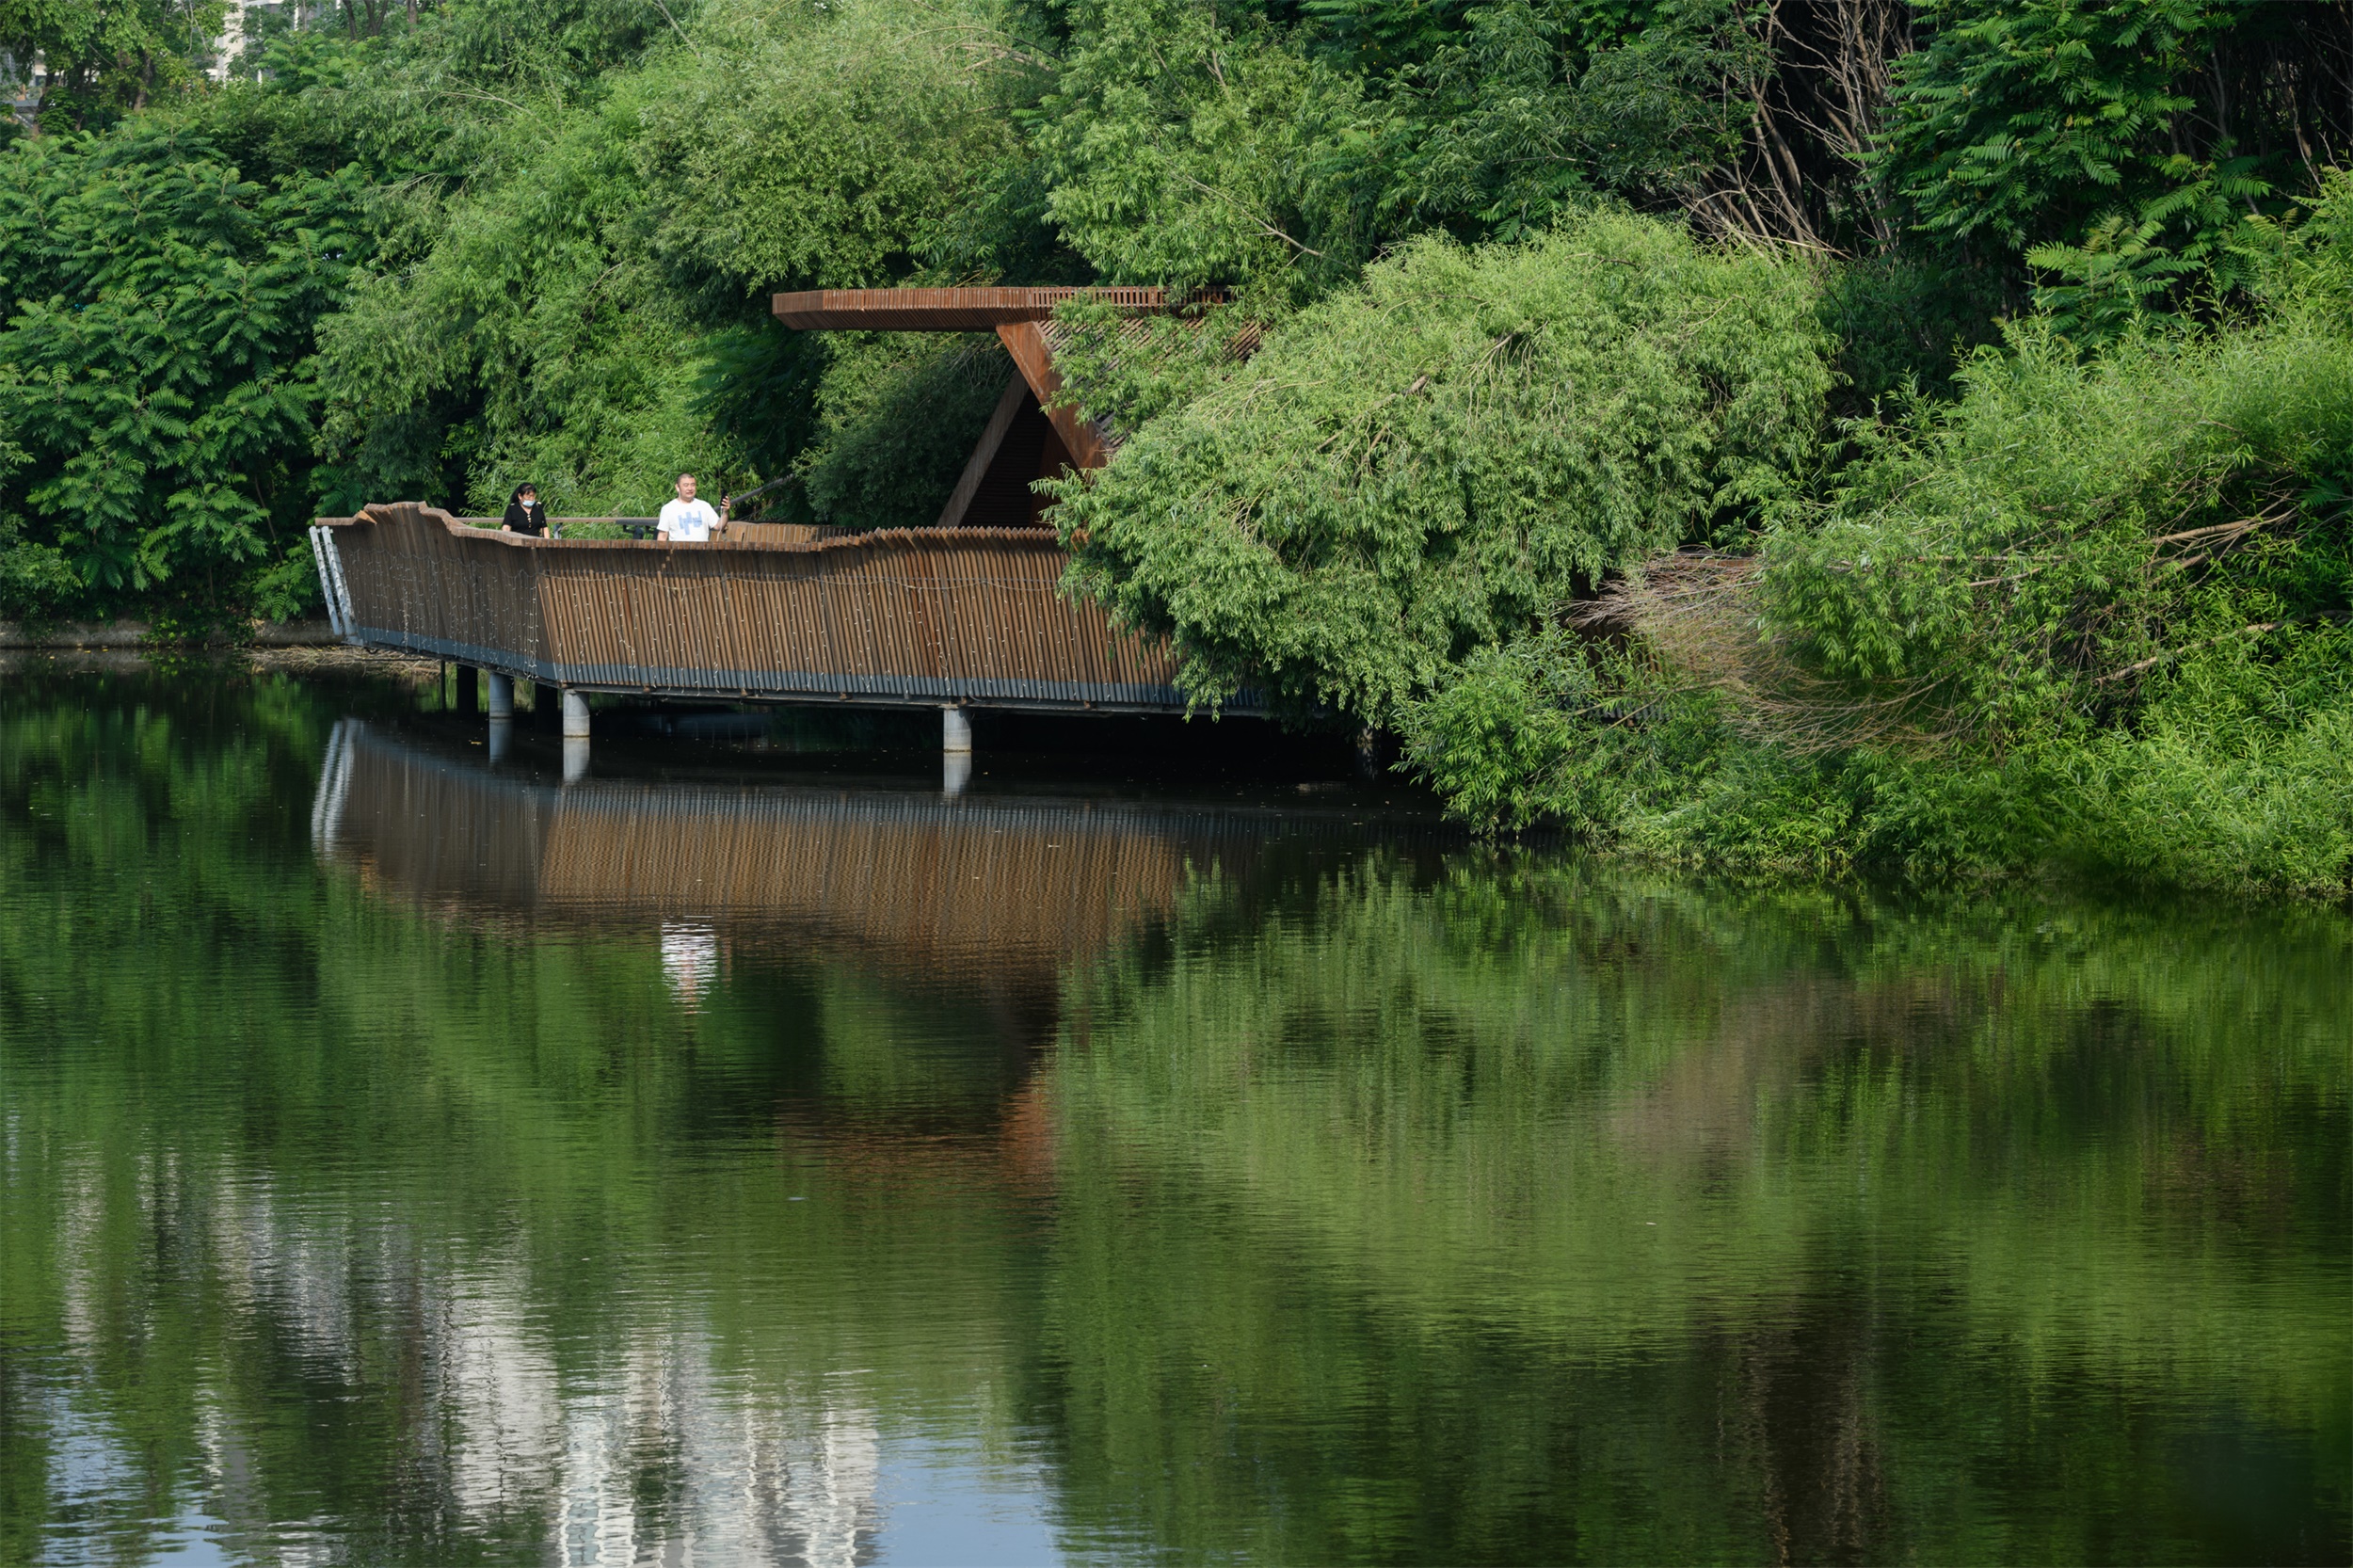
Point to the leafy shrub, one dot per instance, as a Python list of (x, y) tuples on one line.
[(587, 317), (159, 313), (897, 414), (2120, 149), (2096, 612), (1181, 148), (2015, 564), (1428, 464)]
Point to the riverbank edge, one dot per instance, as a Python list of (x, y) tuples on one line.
[(142, 634)]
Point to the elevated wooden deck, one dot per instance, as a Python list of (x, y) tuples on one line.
[(968, 616)]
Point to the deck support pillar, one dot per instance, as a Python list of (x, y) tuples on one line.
[(501, 738), (955, 731), (575, 715), (575, 759), (501, 695)]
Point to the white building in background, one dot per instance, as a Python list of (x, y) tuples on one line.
[(22, 83), (236, 27)]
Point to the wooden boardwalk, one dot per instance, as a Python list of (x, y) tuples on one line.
[(939, 616), (966, 613)]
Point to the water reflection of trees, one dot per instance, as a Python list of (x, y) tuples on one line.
[(1530, 1207), (1341, 1203)]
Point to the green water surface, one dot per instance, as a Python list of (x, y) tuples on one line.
[(389, 1180)]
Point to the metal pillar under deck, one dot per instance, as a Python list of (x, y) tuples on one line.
[(501, 695), (956, 730), (575, 715)]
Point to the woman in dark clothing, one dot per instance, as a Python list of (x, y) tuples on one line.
[(525, 515)]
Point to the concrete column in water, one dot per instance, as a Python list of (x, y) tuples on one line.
[(575, 737), (955, 731), (501, 695)]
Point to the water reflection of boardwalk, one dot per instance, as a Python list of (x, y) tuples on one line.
[(1020, 884)]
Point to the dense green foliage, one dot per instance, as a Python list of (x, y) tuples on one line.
[(101, 58), (2100, 608), (1545, 288), (160, 311), (2123, 148), (1423, 465), (582, 328)]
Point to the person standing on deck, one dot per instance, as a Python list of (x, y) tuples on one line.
[(525, 515), (686, 520)]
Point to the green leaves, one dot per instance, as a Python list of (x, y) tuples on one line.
[(1539, 105), (1431, 463), (2120, 146), (1182, 151), (2016, 115), (592, 315), (2096, 611), (158, 323), (103, 58)]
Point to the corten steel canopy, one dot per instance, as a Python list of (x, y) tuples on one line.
[(900, 615), (947, 309), (1028, 437)]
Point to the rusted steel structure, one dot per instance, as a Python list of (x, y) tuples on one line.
[(1028, 437), (969, 616)]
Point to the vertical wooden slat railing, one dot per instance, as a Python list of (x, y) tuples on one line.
[(923, 616)]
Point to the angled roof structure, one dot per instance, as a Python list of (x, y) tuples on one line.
[(945, 309), (1028, 437)]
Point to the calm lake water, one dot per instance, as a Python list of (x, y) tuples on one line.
[(412, 1160)]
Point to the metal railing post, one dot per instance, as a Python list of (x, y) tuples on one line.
[(335, 622)]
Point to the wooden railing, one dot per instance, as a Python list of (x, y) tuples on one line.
[(970, 616)]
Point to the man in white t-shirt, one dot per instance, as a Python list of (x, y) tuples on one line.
[(687, 521)]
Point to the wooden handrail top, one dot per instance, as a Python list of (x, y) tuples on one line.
[(488, 531), (956, 309)]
